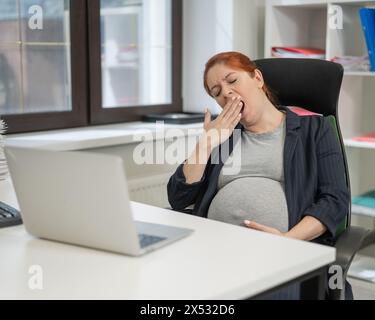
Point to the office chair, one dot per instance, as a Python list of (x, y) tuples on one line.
[(315, 85)]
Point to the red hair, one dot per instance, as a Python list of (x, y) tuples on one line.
[(238, 61)]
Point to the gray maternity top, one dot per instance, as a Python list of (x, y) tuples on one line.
[(256, 191)]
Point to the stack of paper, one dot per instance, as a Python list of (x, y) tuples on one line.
[(353, 63), (298, 52), (369, 137), (364, 204), (3, 164)]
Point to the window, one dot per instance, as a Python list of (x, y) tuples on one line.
[(83, 62), (40, 62), (135, 52)]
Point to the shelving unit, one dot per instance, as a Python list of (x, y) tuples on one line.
[(306, 23), (309, 24)]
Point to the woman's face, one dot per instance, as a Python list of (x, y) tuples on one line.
[(225, 82)]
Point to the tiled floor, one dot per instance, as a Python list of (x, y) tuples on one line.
[(364, 262), (362, 290)]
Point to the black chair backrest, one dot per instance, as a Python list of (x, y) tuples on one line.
[(311, 84)]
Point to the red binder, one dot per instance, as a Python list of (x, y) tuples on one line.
[(369, 137), (298, 52), (302, 50)]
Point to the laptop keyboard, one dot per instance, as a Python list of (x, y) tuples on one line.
[(9, 216), (146, 240)]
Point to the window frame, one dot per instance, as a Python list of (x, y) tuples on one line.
[(86, 86), (100, 115), (78, 116)]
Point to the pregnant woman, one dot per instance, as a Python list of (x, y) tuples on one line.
[(290, 180)]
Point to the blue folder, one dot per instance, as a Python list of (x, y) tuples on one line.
[(365, 200), (367, 16)]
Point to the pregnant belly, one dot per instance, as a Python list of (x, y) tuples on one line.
[(251, 198)]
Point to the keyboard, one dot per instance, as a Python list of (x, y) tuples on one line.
[(9, 216), (147, 240)]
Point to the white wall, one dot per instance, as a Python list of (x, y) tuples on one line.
[(212, 26)]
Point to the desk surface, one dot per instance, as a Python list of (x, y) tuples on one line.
[(218, 261)]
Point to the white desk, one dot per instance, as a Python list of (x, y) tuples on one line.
[(218, 261)]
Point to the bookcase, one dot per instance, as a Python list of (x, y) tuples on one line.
[(335, 26)]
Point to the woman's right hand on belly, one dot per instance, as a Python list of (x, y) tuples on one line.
[(219, 130)]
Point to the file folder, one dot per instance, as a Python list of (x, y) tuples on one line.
[(367, 16)]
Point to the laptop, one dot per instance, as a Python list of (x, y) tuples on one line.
[(82, 198)]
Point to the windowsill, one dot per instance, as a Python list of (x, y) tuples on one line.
[(101, 136)]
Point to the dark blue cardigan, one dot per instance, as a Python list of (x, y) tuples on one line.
[(314, 174)]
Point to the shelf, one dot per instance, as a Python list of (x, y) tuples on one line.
[(359, 73), (352, 2), (319, 3), (287, 27), (300, 3), (363, 211), (350, 40), (359, 144)]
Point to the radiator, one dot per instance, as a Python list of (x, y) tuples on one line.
[(150, 190)]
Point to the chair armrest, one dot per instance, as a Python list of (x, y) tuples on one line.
[(349, 243), (188, 210)]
